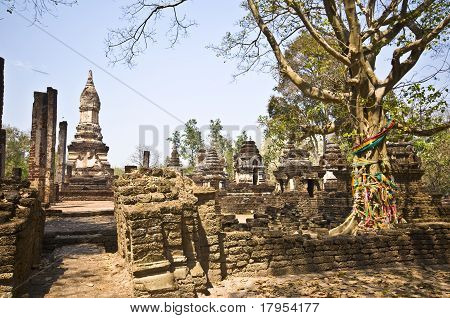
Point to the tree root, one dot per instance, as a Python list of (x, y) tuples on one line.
[(350, 226)]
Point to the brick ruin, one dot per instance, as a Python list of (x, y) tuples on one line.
[(89, 174), (21, 222), (248, 165), (61, 155), (177, 241), (158, 231), (179, 234), (413, 201)]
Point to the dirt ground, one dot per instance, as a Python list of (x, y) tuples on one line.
[(389, 282)]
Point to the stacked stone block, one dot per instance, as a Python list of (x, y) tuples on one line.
[(21, 234), (270, 252), (157, 223), (208, 233), (413, 201), (176, 239)]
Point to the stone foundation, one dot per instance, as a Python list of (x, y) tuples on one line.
[(158, 233), (261, 253), (21, 235), (176, 239)]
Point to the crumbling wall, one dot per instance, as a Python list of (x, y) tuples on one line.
[(258, 252), (157, 222), (325, 209), (21, 234), (176, 240), (335, 206)]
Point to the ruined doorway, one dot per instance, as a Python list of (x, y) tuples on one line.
[(311, 188), (255, 176), (255, 172)]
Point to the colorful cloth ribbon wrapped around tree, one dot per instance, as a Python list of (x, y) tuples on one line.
[(374, 202), (374, 141)]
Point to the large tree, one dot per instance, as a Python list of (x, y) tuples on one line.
[(360, 30), (362, 33)]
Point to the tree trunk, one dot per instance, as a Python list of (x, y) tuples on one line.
[(373, 188)]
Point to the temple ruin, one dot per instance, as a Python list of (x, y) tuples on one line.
[(248, 164), (179, 234), (90, 174)]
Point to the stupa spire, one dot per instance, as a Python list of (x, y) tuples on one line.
[(90, 80)]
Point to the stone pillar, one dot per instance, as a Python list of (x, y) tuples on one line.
[(146, 163), (52, 98), (62, 146), (2, 152), (2, 131), (43, 140), (2, 85), (69, 172), (38, 158)]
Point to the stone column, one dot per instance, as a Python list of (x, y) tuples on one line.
[(43, 139), (146, 163), (38, 157), (52, 99), (2, 131), (2, 83), (2, 152), (62, 147)]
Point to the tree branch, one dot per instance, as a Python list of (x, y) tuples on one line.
[(424, 132), (416, 48), (315, 34), (285, 68)]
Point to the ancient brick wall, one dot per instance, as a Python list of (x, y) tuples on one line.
[(414, 203), (176, 239), (158, 233), (335, 206), (21, 234), (43, 140), (268, 252)]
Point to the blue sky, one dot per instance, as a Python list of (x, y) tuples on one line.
[(188, 80)]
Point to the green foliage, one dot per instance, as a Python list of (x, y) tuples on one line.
[(418, 108), (240, 141), (191, 142), (435, 154), (17, 150), (118, 171), (175, 140), (220, 142), (291, 114)]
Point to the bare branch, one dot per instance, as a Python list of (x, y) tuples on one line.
[(424, 132), (285, 68), (132, 40), (315, 34)]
